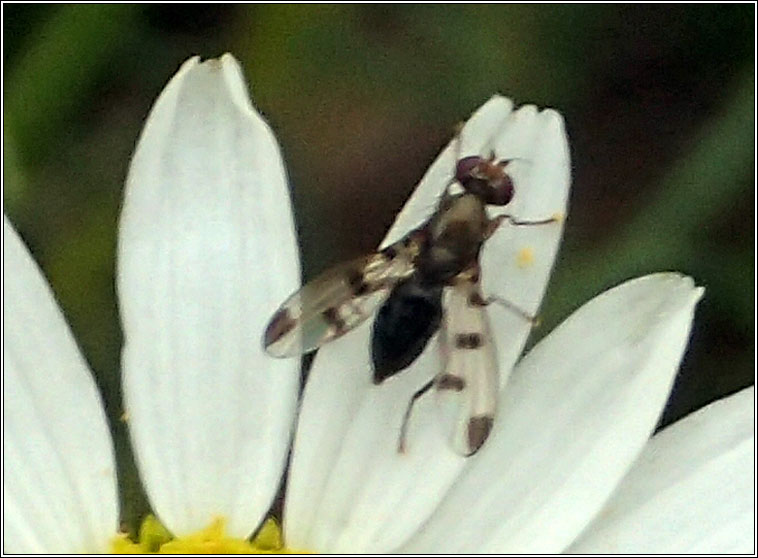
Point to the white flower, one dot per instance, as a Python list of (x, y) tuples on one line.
[(206, 253)]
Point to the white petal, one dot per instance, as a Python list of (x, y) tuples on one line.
[(348, 487), (690, 492), (59, 476), (517, 260), (206, 253), (577, 411)]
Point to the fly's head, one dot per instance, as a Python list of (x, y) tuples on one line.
[(486, 178)]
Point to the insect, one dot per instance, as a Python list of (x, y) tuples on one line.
[(426, 282)]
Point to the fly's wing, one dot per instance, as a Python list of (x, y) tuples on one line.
[(467, 387), (337, 301)]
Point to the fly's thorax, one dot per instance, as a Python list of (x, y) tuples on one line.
[(459, 214), (456, 234)]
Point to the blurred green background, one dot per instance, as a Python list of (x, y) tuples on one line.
[(658, 101)]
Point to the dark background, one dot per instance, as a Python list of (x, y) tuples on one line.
[(658, 101)]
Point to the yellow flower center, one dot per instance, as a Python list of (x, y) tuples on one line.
[(154, 538)]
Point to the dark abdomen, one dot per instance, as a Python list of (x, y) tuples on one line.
[(404, 325)]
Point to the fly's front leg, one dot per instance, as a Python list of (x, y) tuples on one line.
[(493, 224)]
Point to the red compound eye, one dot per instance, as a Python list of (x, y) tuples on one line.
[(485, 179), (500, 191), (465, 167)]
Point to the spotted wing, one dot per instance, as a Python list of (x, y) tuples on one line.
[(337, 301), (467, 387)]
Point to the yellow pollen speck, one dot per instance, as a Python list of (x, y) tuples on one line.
[(124, 416), (154, 538), (558, 217), (525, 257)]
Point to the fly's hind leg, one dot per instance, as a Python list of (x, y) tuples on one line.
[(401, 446)]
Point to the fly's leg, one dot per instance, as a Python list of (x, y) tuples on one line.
[(497, 221), (508, 305), (406, 417), (491, 228), (472, 274)]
